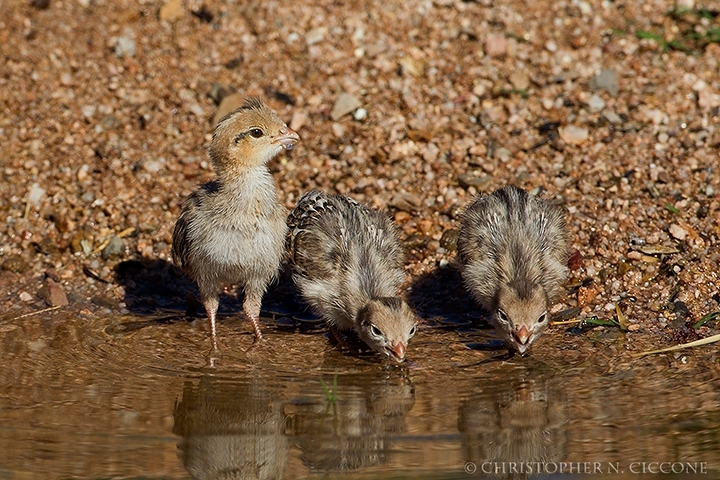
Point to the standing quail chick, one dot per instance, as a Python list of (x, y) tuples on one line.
[(348, 268), (232, 230), (513, 250)]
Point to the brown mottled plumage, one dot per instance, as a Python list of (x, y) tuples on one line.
[(513, 250), (232, 230), (349, 267)]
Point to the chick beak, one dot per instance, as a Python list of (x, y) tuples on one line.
[(398, 351), (522, 335), (287, 138)]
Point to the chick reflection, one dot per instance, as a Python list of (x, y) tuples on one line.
[(354, 430), (519, 425), (231, 430)]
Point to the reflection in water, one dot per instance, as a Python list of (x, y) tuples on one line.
[(354, 431), (231, 430), (521, 425)]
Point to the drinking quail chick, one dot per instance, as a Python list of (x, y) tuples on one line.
[(513, 250), (348, 268), (232, 230)]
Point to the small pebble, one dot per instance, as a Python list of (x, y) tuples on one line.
[(315, 35), (677, 232), (496, 45), (36, 194), (344, 104), (299, 119), (502, 154), (469, 180), (606, 80), (125, 47), (171, 11), (53, 293), (519, 79), (25, 296), (360, 114), (634, 255), (573, 135), (585, 8), (623, 268), (114, 249), (153, 165), (596, 104), (449, 238), (586, 295), (575, 260), (338, 130), (612, 117), (402, 217), (88, 111), (406, 201)]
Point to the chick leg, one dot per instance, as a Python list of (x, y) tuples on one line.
[(251, 307), (211, 302)]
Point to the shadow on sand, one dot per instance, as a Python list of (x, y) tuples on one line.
[(157, 287), (440, 296)]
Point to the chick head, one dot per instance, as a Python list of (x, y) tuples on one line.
[(249, 136), (521, 314), (387, 324)]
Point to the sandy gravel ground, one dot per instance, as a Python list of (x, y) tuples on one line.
[(107, 107)]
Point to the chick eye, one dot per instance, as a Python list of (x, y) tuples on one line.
[(256, 132), (412, 331), (375, 331), (502, 316), (542, 318)]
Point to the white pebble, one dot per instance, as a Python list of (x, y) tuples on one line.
[(360, 114), (585, 8), (338, 129), (88, 111), (574, 135), (316, 35), (36, 194), (125, 47), (153, 166), (596, 104)]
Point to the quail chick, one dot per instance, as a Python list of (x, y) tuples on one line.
[(513, 250), (232, 230), (348, 268)]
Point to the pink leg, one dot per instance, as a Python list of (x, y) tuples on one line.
[(251, 307), (211, 304)]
